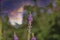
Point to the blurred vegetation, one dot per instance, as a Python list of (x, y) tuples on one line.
[(0, 29), (45, 26)]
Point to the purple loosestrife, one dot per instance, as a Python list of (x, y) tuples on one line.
[(15, 36), (33, 38), (30, 17)]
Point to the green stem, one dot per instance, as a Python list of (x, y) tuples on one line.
[(29, 31)]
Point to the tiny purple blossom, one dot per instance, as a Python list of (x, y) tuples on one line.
[(15, 36), (33, 38), (30, 17)]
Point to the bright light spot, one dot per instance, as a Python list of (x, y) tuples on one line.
[(16, 17)]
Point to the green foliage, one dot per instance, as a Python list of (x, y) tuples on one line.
[(45, 27)]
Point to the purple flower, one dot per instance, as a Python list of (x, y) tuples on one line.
[(30, 20), (30, 17), (33, 38), (15, 36)]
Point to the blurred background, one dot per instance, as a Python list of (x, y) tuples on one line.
[(45, 24)]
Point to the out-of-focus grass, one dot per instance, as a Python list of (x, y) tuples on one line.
[(0, 29), (58, 3)]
